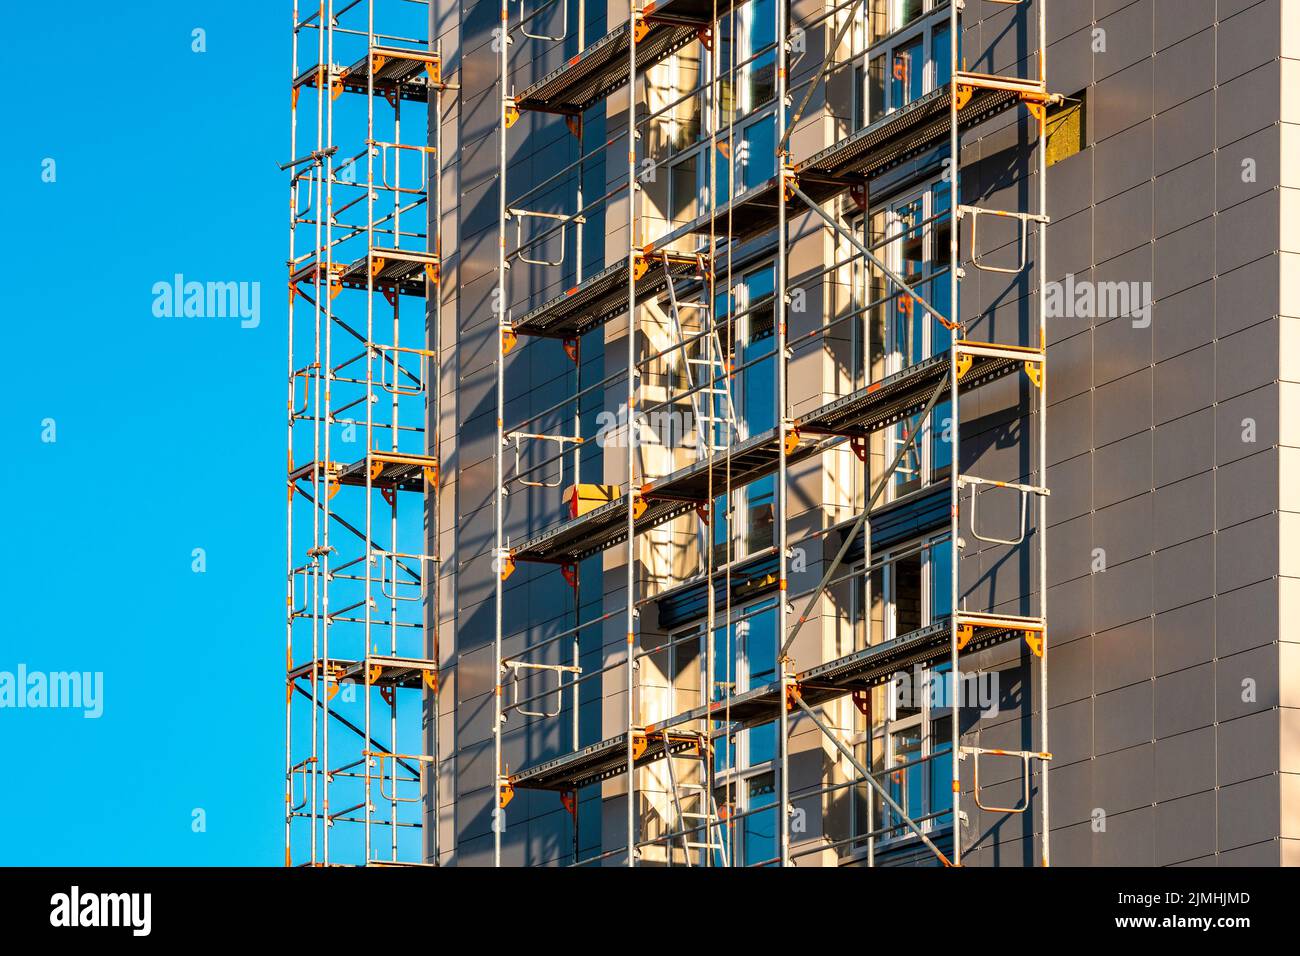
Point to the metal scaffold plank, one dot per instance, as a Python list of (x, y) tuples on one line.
[(859, 671), (662, 29), (398, 73), (603, 297), (677, 494)]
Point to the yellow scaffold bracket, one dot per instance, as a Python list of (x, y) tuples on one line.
[(431, 475), (962, 95), (791, 441), (1034, 640), (789, 181), (512, 114), (431, 680), (964, 362), (792, 696), (640, 264), (1036, 105), (507, 566), (1035, 372), (965, 632), (508, 340), (639, 503), (433, 271), (641, 27), (376, 469), (505, 793), (639, 744)]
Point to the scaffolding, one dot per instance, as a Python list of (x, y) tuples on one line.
[(681, 274), (363, 474)]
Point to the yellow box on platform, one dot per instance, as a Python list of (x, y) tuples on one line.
[(584, 498)]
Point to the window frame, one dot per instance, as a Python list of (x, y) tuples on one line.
[(935, 265), (885, 735), (738, 295), (935, 16), (747, 116)]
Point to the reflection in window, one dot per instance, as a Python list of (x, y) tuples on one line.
[(907, 56), (907, 73)]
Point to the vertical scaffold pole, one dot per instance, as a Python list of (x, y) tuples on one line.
[(368, 618), (498, 498), (632, 430), (782, 475), (954, 489), (326, 373), (293, 398), (1041, 254)]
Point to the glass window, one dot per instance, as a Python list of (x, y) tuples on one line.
[(941, 54), (907, 56), (890, 15), (908, 474), (906, 781), (907, 594), (762, 24), (913, 236), (905, 734), (876, 88), (940, 573), (759, 829), (941, 769), (745, 658), (684, 185), (758, 363), (907, 73), (758, 159)]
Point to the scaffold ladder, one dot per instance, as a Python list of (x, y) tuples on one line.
[(711, 403)]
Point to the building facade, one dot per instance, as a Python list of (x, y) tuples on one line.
[(795, 368)]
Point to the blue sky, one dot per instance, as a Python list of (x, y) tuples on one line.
[(169, 432)]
